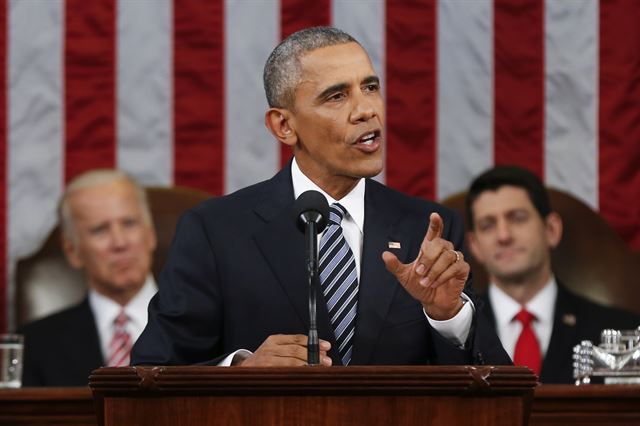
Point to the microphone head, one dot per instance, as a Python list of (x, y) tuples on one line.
[(311, 206)]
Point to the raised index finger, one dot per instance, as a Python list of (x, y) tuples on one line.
[(436, 226)]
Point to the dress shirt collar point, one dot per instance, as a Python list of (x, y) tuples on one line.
[(353, 202)]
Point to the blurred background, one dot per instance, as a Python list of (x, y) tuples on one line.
[(171, 91)]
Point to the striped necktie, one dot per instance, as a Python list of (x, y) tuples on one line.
[(339, 281), (120, 345)]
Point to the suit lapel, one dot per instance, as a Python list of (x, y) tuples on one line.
[(487, 309), (283, 248), (88, 355), (377, 286)]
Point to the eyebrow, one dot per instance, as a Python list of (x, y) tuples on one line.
[(343, 86), (371, 79)]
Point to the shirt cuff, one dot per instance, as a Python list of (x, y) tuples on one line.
[(234, 358), (456, 329)]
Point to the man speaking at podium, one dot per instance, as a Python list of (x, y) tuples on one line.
[(392, 271)]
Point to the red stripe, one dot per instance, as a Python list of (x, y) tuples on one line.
[(519, 83), (411, 96), (90, 59), (4, 28), (199, 94), (296, 15), (619, 117)]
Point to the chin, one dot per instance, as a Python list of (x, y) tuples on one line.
[(369, 170), (129, 283), (513, 276)]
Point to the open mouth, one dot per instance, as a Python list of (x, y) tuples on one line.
[(368, 138)]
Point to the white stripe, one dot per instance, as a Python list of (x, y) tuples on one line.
[(144, 93), (465, 93), (571, 91), (251, 31), (35, 132), (346, 303), (364, 20)]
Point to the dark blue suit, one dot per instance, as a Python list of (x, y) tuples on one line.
[(62, 349), (236, 274)]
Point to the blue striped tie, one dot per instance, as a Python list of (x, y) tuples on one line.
[(339, 280)]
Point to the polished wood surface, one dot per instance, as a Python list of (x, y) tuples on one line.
[(426, 395), (568, 405), (47, 406)]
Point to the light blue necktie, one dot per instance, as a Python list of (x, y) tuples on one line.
[(339, 280)]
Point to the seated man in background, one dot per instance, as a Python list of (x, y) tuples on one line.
[(107, 232), (537, 319)]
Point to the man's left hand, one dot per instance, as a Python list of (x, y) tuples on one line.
[(437, 276)]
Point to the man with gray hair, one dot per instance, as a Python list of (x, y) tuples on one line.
[(107, 232), (391, 268)]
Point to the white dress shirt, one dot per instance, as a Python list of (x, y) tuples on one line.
[(541, 306), (106, 310)]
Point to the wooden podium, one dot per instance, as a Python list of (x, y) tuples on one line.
[(407, 395)]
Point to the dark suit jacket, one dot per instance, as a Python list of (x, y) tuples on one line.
[(236, 274), (61, 349), (575, 319)]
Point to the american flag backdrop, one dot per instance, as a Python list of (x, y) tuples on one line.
[(171, 91)]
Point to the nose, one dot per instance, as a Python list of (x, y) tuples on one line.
[(118, 237), (363, 108), (503, 232)]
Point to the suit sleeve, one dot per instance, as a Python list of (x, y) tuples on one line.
[(483, 345), (185, 316)]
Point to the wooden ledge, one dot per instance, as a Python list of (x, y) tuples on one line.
[(361, 380)]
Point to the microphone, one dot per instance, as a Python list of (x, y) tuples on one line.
[(311, 212)]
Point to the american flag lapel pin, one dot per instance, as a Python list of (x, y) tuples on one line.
[(569, 320), (394, 244)]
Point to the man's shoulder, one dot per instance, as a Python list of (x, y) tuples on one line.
[(241, 197), (61, 321), (595, 313), (246, 199), (407, 202), (415, 209)]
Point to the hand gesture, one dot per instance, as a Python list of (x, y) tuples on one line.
[(437, 276)]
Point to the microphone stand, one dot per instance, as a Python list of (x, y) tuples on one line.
[(313, 346)]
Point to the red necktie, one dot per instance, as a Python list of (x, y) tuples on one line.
[(120, 345), (527, 351)]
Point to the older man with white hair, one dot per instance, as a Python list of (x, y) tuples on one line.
[(107, 232)]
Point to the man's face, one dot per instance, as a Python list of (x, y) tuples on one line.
[(113, 243), (510, 237), (338, 116)]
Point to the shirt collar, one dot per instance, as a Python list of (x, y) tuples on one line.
[(105, 310), (353, 202), (541, 305)]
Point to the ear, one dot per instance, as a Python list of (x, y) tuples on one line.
[(72, 254), (472, 242), (553, 225), (280, 124)]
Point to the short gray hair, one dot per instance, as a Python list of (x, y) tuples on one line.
[(282, 70), (95, 178)]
